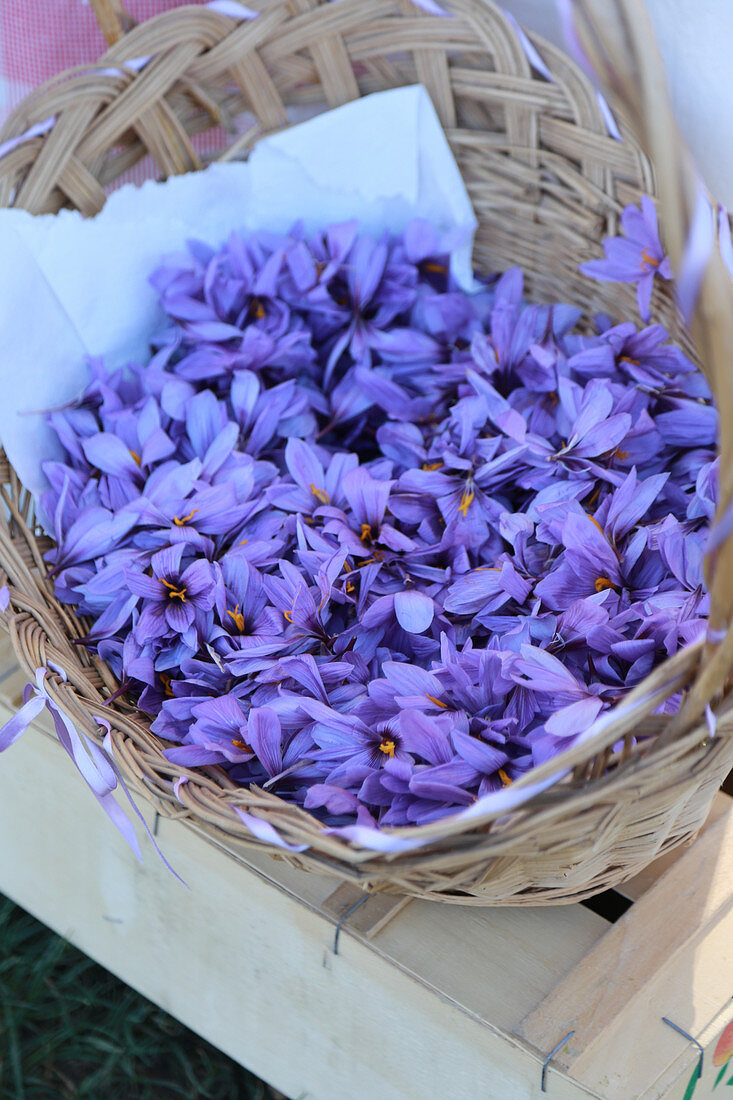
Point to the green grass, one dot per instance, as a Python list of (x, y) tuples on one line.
[(68, 1028)]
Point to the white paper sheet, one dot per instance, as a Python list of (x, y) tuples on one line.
[(71, 287)]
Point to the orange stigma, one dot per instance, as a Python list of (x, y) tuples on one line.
[(184, 520), (431, 467), (366, 532), (443, 706), (602, 583), (648, 260), (320, 494), (466, 500), (136, 456), (175, 592), (256, 309), (434, 268), (505, 780), (238, 617), (387, 746)]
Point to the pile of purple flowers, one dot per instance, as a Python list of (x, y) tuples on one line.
[(373, 543)]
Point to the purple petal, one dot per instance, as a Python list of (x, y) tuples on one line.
[(414, 611)]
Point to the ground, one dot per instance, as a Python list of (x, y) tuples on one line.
[(68, 1028)]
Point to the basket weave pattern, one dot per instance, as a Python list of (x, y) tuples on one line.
[(547, 183)]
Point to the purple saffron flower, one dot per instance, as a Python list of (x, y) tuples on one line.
[(637, 257), (173, 597), (375, 543)]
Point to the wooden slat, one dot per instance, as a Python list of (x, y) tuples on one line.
[(366, 913), (488, 969), (247, 965), (665, 956)]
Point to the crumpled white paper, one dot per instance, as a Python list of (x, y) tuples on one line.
[(72, 287)]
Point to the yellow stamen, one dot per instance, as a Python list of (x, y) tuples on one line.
[(256, 309), (625, 359), (387, 747), (320, 494), (238, 617), (619, 454), (350, 586), (243, 542), (505, 780), (443, 706), (553, 398), (647, 259), (366, 532), (431, 466), (166, 682), (602, 583), (435, 269), (466, 501), (288, 615), (174, 593), (594, 497), (136, 456), (184, 520), (594, 520), (243, 745)]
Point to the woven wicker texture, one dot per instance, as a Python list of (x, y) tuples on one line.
[(547, 183)]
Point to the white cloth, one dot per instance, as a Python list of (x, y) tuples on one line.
[(72, 287)]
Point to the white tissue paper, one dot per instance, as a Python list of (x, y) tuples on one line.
[(72, 287)]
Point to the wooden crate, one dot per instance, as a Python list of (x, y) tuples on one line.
[(423, 1000)]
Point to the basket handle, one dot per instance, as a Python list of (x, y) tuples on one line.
[(618, 39), (113, 18)]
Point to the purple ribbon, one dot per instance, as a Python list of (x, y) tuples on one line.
[(532, 56), (429, 6), (539, 66), (724, 239), (38, 130), (263, 830), (721, 531), (95, 764), (696, 255)]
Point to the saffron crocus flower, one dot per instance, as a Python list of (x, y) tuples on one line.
[(347, 745), (637, 257), (218, 735), (376, 544), (314, 485), (365, 531), (172, 596), (588, 564)]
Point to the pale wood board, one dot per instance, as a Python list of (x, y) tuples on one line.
[(670, 955), (248, 966), (452, 983)]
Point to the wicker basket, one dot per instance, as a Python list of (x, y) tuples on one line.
[(547, 183)]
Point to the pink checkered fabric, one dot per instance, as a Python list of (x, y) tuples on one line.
[(39, 38)]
